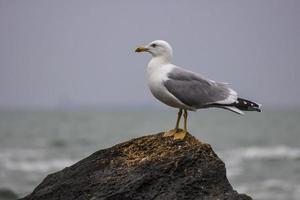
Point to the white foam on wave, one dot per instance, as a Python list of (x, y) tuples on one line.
[(41, 166), (263, 153), (31, 160), (273, 153), (234, 158)]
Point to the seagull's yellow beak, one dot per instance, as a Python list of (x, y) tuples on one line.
[(141, 49)]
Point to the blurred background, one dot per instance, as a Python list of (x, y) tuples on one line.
[(71, 84)]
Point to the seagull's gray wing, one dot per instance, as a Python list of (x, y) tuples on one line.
[(196, 91)]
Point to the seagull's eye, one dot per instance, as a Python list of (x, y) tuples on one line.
[(154, 45)]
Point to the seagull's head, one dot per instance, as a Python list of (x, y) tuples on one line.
[(157, 48)]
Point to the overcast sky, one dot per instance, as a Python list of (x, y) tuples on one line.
[(81, 53)]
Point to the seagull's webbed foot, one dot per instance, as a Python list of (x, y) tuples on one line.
[(178, 134), (170, 133)]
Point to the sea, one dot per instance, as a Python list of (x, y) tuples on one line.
[(261, 151)]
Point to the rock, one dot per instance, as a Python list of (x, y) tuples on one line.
[(149, 167)]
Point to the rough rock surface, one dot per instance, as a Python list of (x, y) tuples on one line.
[(150, 167)]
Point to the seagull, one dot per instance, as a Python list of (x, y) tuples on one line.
[(186, 90)]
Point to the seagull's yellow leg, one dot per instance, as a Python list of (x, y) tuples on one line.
[(178, 119), (182, 133), (173, 131), (185, 115)]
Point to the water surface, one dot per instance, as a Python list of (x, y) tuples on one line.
[(261, 150)]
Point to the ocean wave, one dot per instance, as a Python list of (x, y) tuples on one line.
[(40, 165), (31, 160), (273, 153), (265, 153), (274, 189), (7, 194), (235, 158), (17, 153)]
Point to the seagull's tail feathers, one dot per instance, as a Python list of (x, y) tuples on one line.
[(233, 109), (246, 105), (240, 105)]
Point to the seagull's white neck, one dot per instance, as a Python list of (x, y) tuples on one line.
[(157, 64), (160, 60)]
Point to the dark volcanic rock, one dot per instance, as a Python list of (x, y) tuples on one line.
[(150, 167)]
